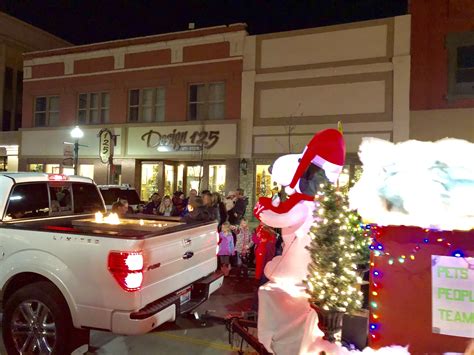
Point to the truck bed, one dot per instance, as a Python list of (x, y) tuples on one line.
[(78, 225)]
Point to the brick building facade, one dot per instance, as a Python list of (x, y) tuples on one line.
[(172, 100)]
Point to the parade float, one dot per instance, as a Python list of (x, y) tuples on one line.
[(419, 195), (416, 200)]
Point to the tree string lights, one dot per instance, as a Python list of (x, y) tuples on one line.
[(332, 282)]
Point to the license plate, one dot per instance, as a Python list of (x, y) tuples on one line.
[(185, 297)]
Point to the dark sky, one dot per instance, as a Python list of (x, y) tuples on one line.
[(88, 21)]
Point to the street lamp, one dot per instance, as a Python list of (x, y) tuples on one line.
[(77, 134)]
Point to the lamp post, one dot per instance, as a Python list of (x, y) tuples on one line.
[(77, 134)]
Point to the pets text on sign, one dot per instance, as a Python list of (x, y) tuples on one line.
[(453, 295), (106, 145)]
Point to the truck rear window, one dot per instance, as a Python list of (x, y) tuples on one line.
[(111, 195), (86, 198), (28, 201)]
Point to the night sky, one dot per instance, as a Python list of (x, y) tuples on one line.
[(86, 21)]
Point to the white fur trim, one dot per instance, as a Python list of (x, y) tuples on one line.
[(331, 170)]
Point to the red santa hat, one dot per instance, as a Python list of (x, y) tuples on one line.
[(327, 150)]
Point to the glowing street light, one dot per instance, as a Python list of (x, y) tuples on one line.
[(77, 134)]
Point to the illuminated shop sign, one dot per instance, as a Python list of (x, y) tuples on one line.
[(180, 140)]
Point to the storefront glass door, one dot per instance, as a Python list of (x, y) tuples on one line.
[(180, 178), (149, 180), (169, 180), (264, 184), (193, 177), (217, 178)]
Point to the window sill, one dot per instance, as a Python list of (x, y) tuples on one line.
[(451, 98)]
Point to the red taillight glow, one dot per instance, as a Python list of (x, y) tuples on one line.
[(57, 177), (127, 269)]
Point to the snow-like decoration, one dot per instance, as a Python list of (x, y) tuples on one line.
[(414, 183)]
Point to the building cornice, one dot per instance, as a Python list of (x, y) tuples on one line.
[(174, 37)]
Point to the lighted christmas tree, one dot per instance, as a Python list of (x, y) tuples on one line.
[(332, 282), (360, 236)]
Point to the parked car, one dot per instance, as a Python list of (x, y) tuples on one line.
[(111, 193), (65, 268)]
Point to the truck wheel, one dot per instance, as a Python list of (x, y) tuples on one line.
[(36, 320)]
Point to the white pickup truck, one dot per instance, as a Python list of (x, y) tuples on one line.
[(64, 271)]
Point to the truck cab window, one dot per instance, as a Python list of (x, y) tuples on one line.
[(28, 201), (61, 199), (87, 198)]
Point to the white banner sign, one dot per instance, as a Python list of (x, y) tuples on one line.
[(453, 295)]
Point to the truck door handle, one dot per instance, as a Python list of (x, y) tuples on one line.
[(188, 255)]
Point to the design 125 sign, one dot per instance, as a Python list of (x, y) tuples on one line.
[(106, 145)]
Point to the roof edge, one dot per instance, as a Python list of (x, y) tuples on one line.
[(235, 27), (24, 23)]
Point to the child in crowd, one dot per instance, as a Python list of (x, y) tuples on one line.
[(264, 240), (242, 246), (226, 248)]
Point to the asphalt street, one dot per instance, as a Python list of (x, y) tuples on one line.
[(188, 335)]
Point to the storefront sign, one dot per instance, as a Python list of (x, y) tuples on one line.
[(181, 140), (106, 145), (453, 295)]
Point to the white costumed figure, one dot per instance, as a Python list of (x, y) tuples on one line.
[(300, 175), (283, 305), (286, 323)]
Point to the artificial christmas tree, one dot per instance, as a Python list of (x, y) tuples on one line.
[(332, 281)]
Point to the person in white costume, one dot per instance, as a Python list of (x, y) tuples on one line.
[(286, 323)]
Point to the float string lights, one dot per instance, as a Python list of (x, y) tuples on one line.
[(379, 253), (378, 249)]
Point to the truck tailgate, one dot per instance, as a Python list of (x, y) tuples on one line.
[(175, 260)]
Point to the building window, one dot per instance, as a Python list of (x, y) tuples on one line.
[(8, 84), (193, 178), (52, 169), (19, 100), (3, 163), (146, 105), (93, 108), (86, 170), (38, 168), (217, 178), (206, 101), (265, 186), (46, 111), (460, 65), (149, 180)]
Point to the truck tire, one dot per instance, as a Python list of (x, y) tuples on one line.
[(36, 320)]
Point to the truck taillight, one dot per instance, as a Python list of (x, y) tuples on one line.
[(127, 269)]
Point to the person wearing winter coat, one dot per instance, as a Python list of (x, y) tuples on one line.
[(179, 203), (166, 207), (265, 241), (242, 247), (198, 212), (238, 211)]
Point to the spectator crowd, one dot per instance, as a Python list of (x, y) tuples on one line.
[(238, 246)]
